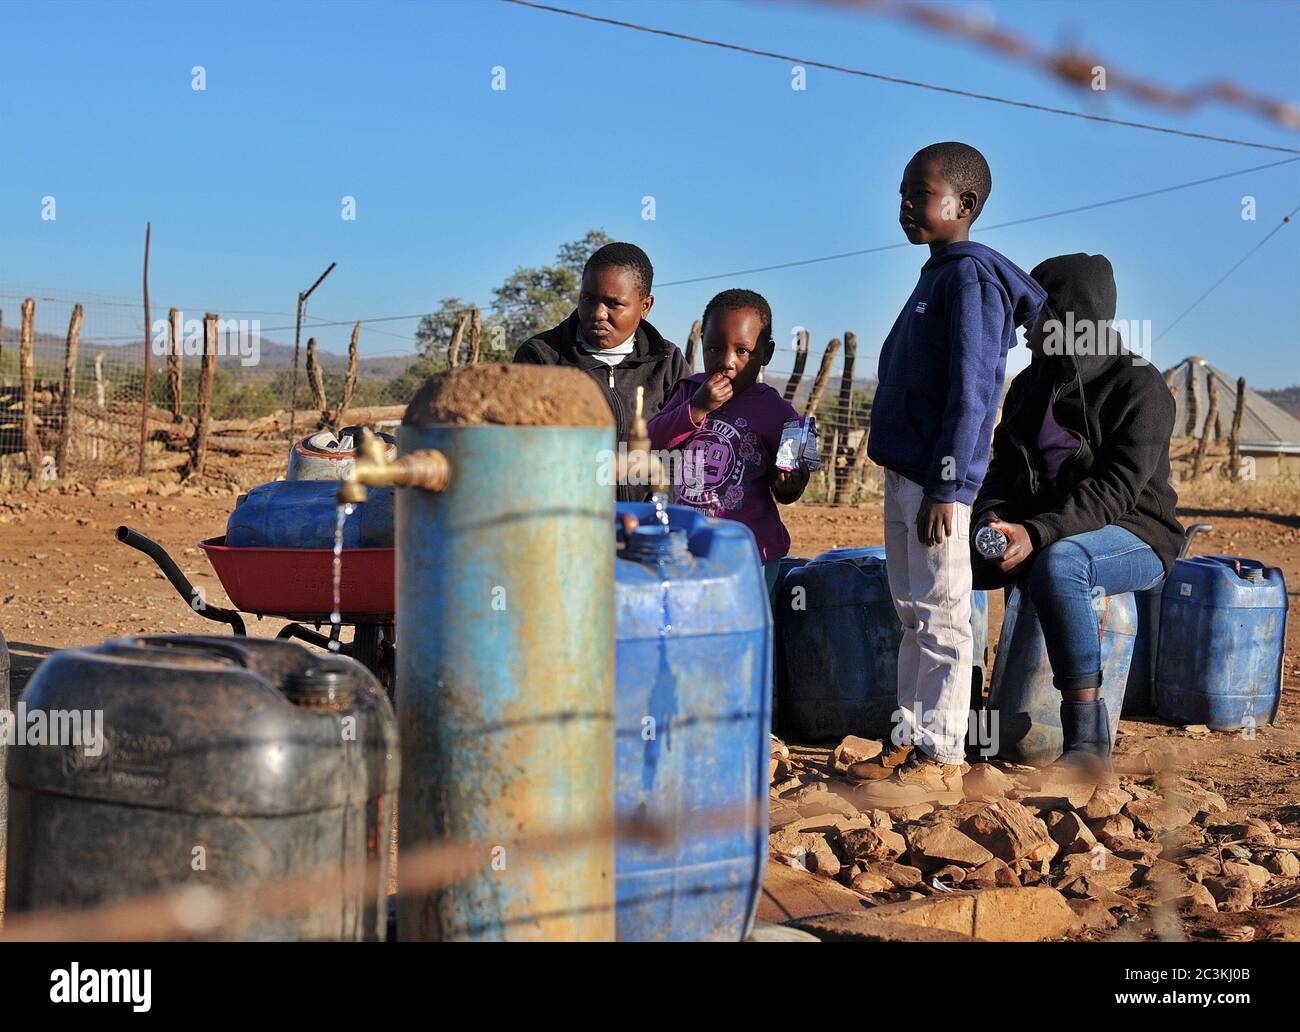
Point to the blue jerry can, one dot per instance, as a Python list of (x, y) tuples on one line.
[(692, 694), (839, 640), (304, 514), (1024, 706), (1222, 631)]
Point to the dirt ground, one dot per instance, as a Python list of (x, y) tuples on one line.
[(65, 580)]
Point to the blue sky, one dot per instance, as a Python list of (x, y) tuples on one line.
[(457, 184)]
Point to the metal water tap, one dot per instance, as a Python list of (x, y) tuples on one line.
[(638, 442), (427, 469)]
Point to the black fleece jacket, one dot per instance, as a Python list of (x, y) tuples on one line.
[(1118, 407), (656, 364)]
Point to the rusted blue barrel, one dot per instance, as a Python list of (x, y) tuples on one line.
[(505, 668)]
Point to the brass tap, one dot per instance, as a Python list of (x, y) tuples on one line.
[(638, 444), (427, 469)]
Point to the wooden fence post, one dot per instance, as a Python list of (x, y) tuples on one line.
[(95, 442), (350, 380), (1234, 435), (1190, 429), (69, 388), (25, 359), (800, 359), (1211, 417), (174, 363), (846, 410), (475, 328), (453, 349), (202, 409), (823, 375), (316, 380), (693, 344)]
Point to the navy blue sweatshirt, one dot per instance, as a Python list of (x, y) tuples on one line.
[(942, 367)]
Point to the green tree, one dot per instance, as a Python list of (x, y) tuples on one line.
[(533, 299)]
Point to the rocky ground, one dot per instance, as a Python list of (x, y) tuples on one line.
[(1201, 842)]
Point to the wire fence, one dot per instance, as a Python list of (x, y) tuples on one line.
[(72, 389)]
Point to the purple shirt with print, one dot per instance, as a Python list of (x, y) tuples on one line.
[(731, 456), (1055, 442)]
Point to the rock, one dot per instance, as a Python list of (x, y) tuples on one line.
[(1179, 842), (1196, 731), (1101, 866), (1200, 866), (1106, 801), (1252, 831), (795, 841), (1070, 832), (818, 798), (912, 813), (1197, 797), (780, 815), (1030, 876), (872, 844), (1233, 895), (1093, 914), (1006, 829), (879, 819), (1115, 826), (869, 882), (1043, 853), (1258, 876), (949, 874), (791, 893), (855, 750), (998, 915), (1235, 852), (1284, 865), (996, 871), (1167, 878), (930, 848), (866, 927), (985, 781), (1134, 849), (900, 875), (823, 862), (1199, 895), (1056, 790), (1156, 815)]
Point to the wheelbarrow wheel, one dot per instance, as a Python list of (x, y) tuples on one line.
[(372, 647)]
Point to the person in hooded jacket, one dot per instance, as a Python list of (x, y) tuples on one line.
[(1079, 483), (607, 337), (940, 377)]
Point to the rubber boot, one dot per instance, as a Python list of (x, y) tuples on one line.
[(1085, 733)]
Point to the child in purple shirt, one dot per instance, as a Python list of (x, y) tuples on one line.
[(728, 426)]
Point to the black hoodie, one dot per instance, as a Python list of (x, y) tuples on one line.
[(1114, 402), (655, 364)]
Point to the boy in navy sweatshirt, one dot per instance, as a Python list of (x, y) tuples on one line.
[(940, 381)]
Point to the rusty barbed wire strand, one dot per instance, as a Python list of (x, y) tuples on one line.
[(1075, 67), (202, 911), (897, 80)]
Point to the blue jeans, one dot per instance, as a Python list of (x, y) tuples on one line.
[(1067, 577)]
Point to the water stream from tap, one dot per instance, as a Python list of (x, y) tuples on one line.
[(661, 509), (336, 617)]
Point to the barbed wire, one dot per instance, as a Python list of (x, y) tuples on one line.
[(1074, 66), (898, 80), (207, 912)]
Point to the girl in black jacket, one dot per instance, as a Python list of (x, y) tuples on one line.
[(1079, 483)]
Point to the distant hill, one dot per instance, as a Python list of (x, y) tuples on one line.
[(1285, 398), (274, 356)]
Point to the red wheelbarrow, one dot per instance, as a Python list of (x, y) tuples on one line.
[(298, 585)]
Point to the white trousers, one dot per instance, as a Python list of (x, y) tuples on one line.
[(931, 587)]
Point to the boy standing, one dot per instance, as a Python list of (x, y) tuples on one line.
[(940, 381), (607, 336)]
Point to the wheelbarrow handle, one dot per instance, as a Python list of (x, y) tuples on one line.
[(193, 597)]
